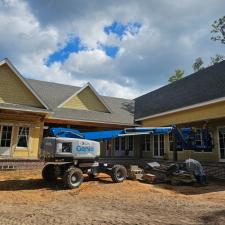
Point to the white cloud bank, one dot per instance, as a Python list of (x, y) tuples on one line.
[(172, 35)]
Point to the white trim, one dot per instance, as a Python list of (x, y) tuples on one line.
[(11, 140), (91, 121), (12, 67), (183, 108), (153, 152), (218, 143), (150, 142), (19, 124), (94, 91), (24, 110), (28, 139), (135, 134)]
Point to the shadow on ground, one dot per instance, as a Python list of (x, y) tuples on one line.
[(217, 218), (35, 184), (38, 183), (213, 186)]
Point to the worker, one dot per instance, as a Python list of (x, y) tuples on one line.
[(196, 168)]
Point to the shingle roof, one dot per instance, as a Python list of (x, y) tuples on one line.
[(204, 85), (54, 94), (10, 106)]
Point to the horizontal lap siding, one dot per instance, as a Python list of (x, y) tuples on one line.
[(86, 100), (12, 90), (212, 111)]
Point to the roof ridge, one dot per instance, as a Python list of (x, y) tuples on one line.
[(75, 87), (50, 82), (105, 96)]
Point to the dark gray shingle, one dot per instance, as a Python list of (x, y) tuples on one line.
[(207, 84), (55, 94)]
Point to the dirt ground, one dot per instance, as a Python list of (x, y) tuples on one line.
[(26, 199)]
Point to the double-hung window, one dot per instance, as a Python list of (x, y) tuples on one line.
[(23, 137), (203, 141)]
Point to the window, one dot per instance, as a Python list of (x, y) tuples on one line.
[(158, 145), (117, 144), (66, 147), (147, 143), (5, 136), (203, 141), (179, 146), (23, 137), (171, 141), (130, 143), (222, 143), (161, 144), (198, 137), (122, 143), (107, 144)]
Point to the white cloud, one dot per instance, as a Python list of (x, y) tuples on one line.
[(114, 89), (172, 35)]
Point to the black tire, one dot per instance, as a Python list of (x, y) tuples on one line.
[(118, 173), (49, 173), (73, 178)]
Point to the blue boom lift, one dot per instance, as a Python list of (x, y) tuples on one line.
[(69, 153)]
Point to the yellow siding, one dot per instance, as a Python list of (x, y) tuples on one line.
[(33, 144), (216, 110), (12, 90), (86, 100), (35, 125)]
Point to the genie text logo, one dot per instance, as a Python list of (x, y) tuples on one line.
[(84, 147)]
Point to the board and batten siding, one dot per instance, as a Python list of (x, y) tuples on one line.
[(12, 90), (85, 100)]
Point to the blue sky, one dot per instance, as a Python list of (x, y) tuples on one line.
[(121, 30), (74, 45), (124, 50)]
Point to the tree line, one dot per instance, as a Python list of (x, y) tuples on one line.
[(218, 34)]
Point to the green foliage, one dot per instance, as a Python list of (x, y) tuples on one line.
[(179, 74), (198, 64), (218, 58), (218, 30)]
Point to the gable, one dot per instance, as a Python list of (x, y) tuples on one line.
[(85, 100), (13, 90)]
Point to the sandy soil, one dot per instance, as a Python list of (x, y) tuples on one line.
[(26, 199)]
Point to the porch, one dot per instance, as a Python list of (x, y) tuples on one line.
[(20, 134)]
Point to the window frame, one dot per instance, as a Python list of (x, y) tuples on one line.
[(203, 150), (128, 143), (122, 140), (27, 137), (6, 139), (115, 144), (147, 144), (157, 142)]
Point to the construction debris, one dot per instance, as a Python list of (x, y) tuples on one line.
[(190, 172), (134, 172)]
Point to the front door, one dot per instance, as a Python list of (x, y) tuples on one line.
[(5, 140), (222, 144), (158, 151)]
